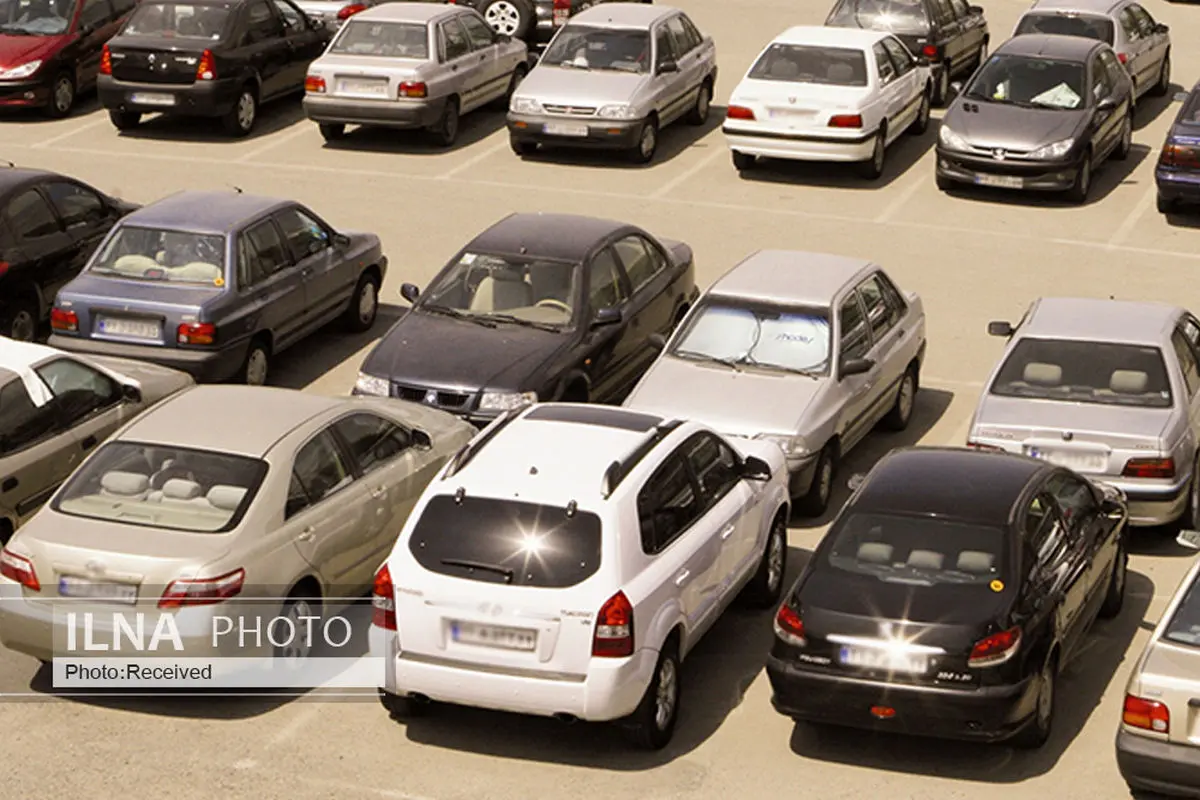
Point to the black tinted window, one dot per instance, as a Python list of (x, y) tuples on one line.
[(94, 14), (76, 205), (320, 470), (292, 16), (880, 314), (21, 422), (641, 259), (179, 20), (261, 23), (888, 15), (667, 505), (856, 338), (714, 464), (505, 541), (1099, 28), (304, 234), (454, 40), (30, 217), (373, 441), (604, 282), (802, 63), (267, 248), (79, 391), (1085, 372), (1075, 498)]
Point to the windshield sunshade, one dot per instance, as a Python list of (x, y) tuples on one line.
[(587, 48), (177, 21), (382, 40), (787, 339), (1099, 28), (797, 63), (1030, 82), (150, 254), (1085, 372)]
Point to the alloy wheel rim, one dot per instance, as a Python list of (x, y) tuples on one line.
[(1127, 135), (64, 95), (648, 141), (826, 480), (23, 327), (366, 303), (775, 561), (256, 368), (503, 17), (297, 647), (245, 111), (906, 398), (664, 706)]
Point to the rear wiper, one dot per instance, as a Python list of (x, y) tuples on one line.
[(542, 326), (728, 362), (481, 566), (459, 314)]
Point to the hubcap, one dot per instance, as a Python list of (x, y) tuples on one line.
[(944, 84), (64, 94), (925, 110), (23, 327), (667, 690), (1085, 176), (826, 479), (503, 18), (450, 122), (366, 303), (245, 111), (648, 140), (775, 561), (256, 368), (298, 646), (1127, 135), (906, 398)]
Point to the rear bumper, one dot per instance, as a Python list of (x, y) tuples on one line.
[(1157, 766), (380, 113), (203, 99), (25, 93), (1174, 185), (616, 134), (1150, 506), (205, 366), (800, 147), (1050, 176)]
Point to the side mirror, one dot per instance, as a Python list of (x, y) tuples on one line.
[(341, 240), (921, 61), (410, 292), (755, 469), (1000, 328), (421, 440), (657, 341), (1162, 28), (606, 316), (1189, 539), (856, 366), (955, 90), (502, 38), (975, 9), (856, 480), (131, 393), (667, 67), (1107, 104)]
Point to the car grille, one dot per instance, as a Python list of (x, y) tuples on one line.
[(571, 111), (991, 152), (430, 397)]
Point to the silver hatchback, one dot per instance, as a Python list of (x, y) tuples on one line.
[(613, 78)]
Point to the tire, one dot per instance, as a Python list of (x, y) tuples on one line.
[(652, 723), (766, 586), (1037, 732), (1114, 597), (921, 123), (743, 161), (699, 113), (1078, 193), (364, 305), (257, 366), (19, 321), (62, 96), (331, 130), (400, 708), (513, 18), (125, 120), (872, 169), (900, 415), (643, 152), (941, 91), (445, 130), (816, 501), (240, 119), (1164, 78), (518, 75), (1164, 204), (295, 608), (1126, 144), (521, 147)]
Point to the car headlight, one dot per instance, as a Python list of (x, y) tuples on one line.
[(372, 384), (951, 140), (21, 71), (506, 401), (1055, 150), (792, 446), (525, 105), (620, 111)]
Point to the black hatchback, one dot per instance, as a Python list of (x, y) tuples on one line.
[(951, 34), (207, 58), (948, 595)]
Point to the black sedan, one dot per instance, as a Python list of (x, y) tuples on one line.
[(49, 226), (537, 307), (1041, 114), (948, 595)]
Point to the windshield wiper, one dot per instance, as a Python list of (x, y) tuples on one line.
[(752, 361), (529, 323), (573, 65), (691, 354), (458, 313), (481, 566)]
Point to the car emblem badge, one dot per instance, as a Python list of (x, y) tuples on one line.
[(431, 397), (792, 100), (151, 58), (1068, 436), (999, 154)]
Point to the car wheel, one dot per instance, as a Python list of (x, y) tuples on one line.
[(652, 723), (942, 93), (921, 123), (816, 502), (1037, 732), (1126, 143), (743, 161), (521, 147), (241, 118), (331, 130), (125, 120), (872, 169), (297, 647), (647, 144), (1078, 193), (767, 584), (513, 18), (445, 130), (364, 305), (1164, 77), (901, 413), (699, 113), (20, 320), (400, 708), (62, 96), (257, 366), (1114, 598)]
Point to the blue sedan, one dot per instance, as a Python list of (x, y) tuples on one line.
[(1178, 172)]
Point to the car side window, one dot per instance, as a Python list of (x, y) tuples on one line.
[(1074, 497), (641, 259), (1116, 72), (293, 18), (30, 216), (682, 41), (667, 504), (855, 336), (1144, 21), (902, 59), (1129, 24), (267, 248), (304, 234), (479, 34), (123, 7), (261, 23), (455, 39), (961, 8), (664, 48), (318, 472), (715, 466), (76, 204), (94, 14), (897, 305), (1044, 532), (604, 282), (372, 440), (1191, 331), (1102, 85), (79, 390), (879, 315), (943, 12), (23, 424), (887, 70), (693, 33), (1187, 361)]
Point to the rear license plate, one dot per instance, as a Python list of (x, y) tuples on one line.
[(152, 99), (564, 129), (368, 87), (1000, 181), (493, 636), (97, 590), (790, 113), (136, 328), (880, 658), (1080, 462)]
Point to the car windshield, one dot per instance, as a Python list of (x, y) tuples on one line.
[(1090, 27), (801, 63), (531, 291), (1184, 627), (506, 541), (758, 335), (591, 48), (382, 40), (155, 486), (918, 550), (35, 18), (177, 21), (902, 16), (1030, 82), (1085, 372), (152, 254)]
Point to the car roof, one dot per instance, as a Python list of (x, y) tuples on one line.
[(790, 276), (17, 356), (1067, 48), (838, 37), (11, 177), (1104, 7), (203, 211), (242, 420), (951, 482), (624, 15), (1093, 320), (408, 12), (565, 237)]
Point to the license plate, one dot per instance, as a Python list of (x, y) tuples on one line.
[(884, 659), (136, 328), (152, 99), (374, 88), (494, 636), (790, 113), (1080, 462), (563, 129), (97, 590), (1000, 181), (1189, 538)]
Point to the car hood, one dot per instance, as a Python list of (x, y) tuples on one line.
[(744, 403), (18, 50), (561, 86), (424, 349), (1013, 128), (156, 382), (1025, 416)]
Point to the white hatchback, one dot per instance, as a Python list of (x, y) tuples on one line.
[(566, 561)]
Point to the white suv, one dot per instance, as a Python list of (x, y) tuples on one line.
[(569, 557)]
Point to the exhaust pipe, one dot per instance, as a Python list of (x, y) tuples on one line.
[(569, 719)]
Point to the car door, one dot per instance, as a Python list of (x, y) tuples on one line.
[(608, 351), (949, 34), (1098, 538), (98, 22), (667, 85), (651, 306), (1106, 124), (90, 404), (891, 91), (265, 47), (729, 501), (270, 290), (86, 217), (1155, 43), (43, 246), (855, 391), (689, 57), (494, 73), (972, 28), (888, 340), (1060, 571), (329, 278), (909, 83), (36, 453), (463, 66), (1135, 45), (305, 43)]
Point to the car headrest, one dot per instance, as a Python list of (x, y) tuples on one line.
[(1040, 374), (975, 561), (926, 559), (1128, 381), (180, 489), (875, 553), (124, 484), (226, 498)]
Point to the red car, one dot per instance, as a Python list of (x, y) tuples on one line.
[(50, 49)]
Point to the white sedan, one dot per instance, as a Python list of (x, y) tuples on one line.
[(828, 94)]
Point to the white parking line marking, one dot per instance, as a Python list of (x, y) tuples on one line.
[(689, 173), (358, 790), (1132, 219), (470, 162), (302, 720), (96, 123), (271, 145), (934, 383), (902, 199)]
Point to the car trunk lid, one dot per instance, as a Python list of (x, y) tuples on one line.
[(794, 106), (1168, 676), (141, 312), (368, 78), (155, 60)]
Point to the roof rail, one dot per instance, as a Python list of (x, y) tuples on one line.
[(468, 450), (618, 470)]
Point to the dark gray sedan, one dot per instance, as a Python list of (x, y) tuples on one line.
[(1041, 114), (216, 283)]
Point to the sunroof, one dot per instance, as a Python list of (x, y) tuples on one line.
[(603, 416)]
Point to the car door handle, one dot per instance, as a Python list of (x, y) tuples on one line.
[(378, 492), (483, 57), (306, 535), (725, 534), (682, 578), (9, 484), (454, 67), (88, 443)]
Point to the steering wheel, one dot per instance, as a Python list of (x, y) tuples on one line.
[(550, 302)]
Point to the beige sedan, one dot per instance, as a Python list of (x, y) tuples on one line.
[(217, 496)]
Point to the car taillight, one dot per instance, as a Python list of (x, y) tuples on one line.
[(995, 649), (562, 12), (383, 600), (206, 70), (64, 320), (614, 628), (846, 121), (1123, 58), (413, 89), (789, 626), (19, 569), (1148, 715), (106, 61), (202, 591), (980, 446), (739, 112), (196, 333), (1175, 155), (4, 265), (314, 84), (349, 11), (930, 51), (1149, 468)]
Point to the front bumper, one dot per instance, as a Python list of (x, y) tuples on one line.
[(205, 366), (1158, 766), (1041, 176), (1174, 185), (376, 113), (201, 99), (800, 147), (608, 134), (987, 714), (25, 93)]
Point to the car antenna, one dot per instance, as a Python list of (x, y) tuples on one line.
[(8, 163), (237, 189)]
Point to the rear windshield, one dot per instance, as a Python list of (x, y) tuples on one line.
[(172, 488), (505, 541), (1099, 28), (1085, 372), (35, 18), (1184, 626), (177, 21), (799, 63), (152, 254), (919, 551), (382, 39), (902, 16)]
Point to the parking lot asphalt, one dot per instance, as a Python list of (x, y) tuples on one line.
[(974, 257)]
